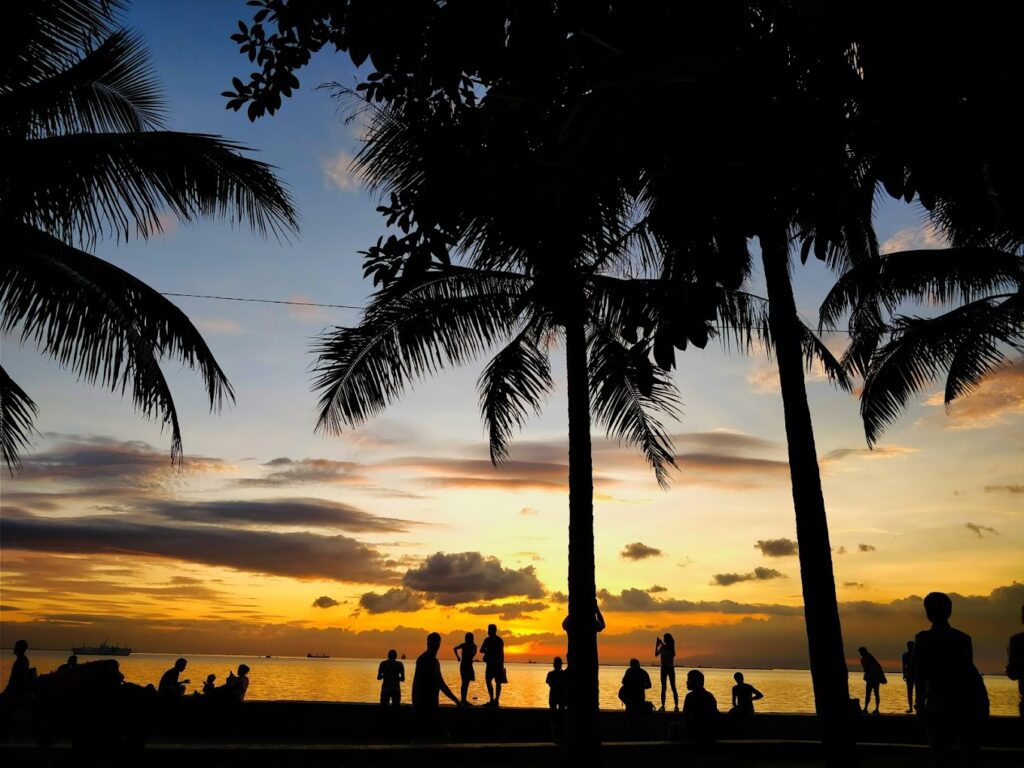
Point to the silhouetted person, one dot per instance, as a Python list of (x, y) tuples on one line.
[(465, 652), (633, 692), (665, 650), (743, 697), (18, 682), (170, 686), (908, 675), (427, 685), (556, 685), (235, 686), (71, 663), (493, 650), (210, 685), (391, 673), (948, 690), (700, 710), (599, 624), (1015, 663), (874, 676), (556, 681)]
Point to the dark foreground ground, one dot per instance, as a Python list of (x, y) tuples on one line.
[(329, 735)]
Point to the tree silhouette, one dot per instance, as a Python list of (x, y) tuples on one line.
[(86, 158)]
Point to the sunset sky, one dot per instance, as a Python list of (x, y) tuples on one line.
[(274, 540)]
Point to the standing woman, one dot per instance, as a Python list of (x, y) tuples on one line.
[(666, 651), (874, 676), (468, 649)]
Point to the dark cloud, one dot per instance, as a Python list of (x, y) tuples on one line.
[(300, 555), (395, 600), (854, 584), (640, 601), (758, 574), (866, 547), (723, 440), (638, 551), (325, 602), (1014, 488), (466, 577), (285, 471), (981, 530), (290, 512), (776, 547), (558, 597), (656, 588), (102, 460), (480, 473), (506, 611), (726, 463), (841, 550)]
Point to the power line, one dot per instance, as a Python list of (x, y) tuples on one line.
[(259, 301)]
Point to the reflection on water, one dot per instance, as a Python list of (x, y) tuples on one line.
[(785, 690)]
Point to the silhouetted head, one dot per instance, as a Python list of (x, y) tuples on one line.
[(72, 660), (634, 663), (392, 654), (668, 639), (470, 638), (862, 651), (180, 665), (910, 645), (738, 677), (433, 642), (20, 647), (694, 680), (557, 663), (492, 629), (243, 670), (938, 607), (210, 678)]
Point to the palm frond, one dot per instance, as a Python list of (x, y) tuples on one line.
[(944, 276), (514, 383), (968, 342), (50, 36), (410, 330), (627, 394), (84, 186), (101, 322), (814, 350), (111, 89), (17, 414)]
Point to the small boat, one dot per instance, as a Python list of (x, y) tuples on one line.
[(317, 656), (101, 650)]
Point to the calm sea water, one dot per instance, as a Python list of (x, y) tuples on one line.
[(785, 690)]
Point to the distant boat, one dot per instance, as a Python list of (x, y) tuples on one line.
[(317, 656), (101, 650)]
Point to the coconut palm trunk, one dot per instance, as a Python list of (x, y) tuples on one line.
[(821, 608), (581, 724)]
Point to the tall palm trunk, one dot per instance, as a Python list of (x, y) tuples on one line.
[(821, 609), (582, 716)]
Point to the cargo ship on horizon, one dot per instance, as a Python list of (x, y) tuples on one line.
[(100, 650)]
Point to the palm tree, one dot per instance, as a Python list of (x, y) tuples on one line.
[(85, 157), (541, 260)]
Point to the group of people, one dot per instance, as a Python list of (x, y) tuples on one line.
[(172, 686)]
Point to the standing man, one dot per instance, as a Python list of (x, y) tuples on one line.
[(908, 675), (427, 684), (949, 692), (391, 673), (493, 650)]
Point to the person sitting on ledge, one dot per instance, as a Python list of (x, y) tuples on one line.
[(633, 692), (700, 709), (170, 686)]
